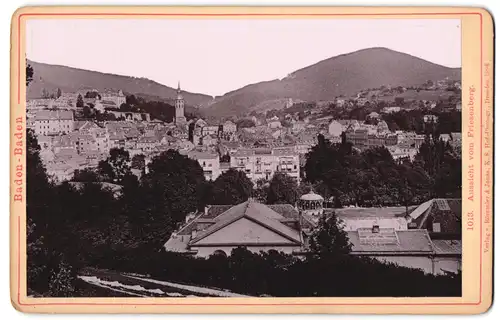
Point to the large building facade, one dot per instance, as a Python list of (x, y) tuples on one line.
[(262, 163), (430, 242), (48, 122)]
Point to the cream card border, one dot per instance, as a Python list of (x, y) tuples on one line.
[(477, 124)]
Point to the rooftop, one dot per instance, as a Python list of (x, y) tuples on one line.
[(366, 241), (54, 115)]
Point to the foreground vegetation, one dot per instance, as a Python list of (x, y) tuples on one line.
[(70, 229)]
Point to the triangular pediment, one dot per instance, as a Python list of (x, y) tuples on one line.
[(244, 231)]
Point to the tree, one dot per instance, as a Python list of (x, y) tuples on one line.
[(59, 92), (329, 239), (124, 107), (261, 190), (87, 112), (131, 100), (85, 175), (79, 102), (245, 123), (178, 180), (29, 74), (92, 94), (138, 162), (439, 160), (231, 187), (105, 116), (61, 281), (225, 158), (45, 93), (116, 166), (282, 189), (44, 256)]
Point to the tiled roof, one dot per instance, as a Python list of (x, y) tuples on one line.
[(284, 152), (447, 247), (273, 217), (255, 211), (373, 212), (389, 241), (449, 207), (202, 155), (244, 153), (148, 140), (54, 115)]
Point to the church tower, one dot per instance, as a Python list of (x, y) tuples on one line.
[(179, 107)]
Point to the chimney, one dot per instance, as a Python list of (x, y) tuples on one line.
[(190, 216), (193, 234), (375, 229)]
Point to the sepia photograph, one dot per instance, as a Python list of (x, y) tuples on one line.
[(224, 157)]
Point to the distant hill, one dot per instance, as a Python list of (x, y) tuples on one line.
[(344, 74), (50, 77)]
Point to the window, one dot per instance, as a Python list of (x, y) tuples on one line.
[(436, 227)]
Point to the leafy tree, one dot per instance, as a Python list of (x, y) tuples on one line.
[(225, 158), (170, 190), (44, 256), (440, 162), (59, 92), (124, 107), (29, 74), (261, 190), (131, 100), (92, 94), (244, 123), (85, 175), (330, 239), (282, 189), (231, 187), (138, 162), (61, 281), (105, 116), (79, 102), (116, 166), (87, 112)]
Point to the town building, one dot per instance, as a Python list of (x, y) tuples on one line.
[(274, 122), (118, 98), (406, 248), (430, 118), (221, 228), (209, 162), (256, 226), (130, 116), (335, 128), (262, 163), (48, 122)]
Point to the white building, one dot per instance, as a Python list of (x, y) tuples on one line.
[(262, 163), (209, 162), (335, 128), (430, 118), (117, 97), (49, 122)]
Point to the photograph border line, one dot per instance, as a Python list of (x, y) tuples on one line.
[(129, 14)]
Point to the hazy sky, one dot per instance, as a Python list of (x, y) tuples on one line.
[(217, 56)]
